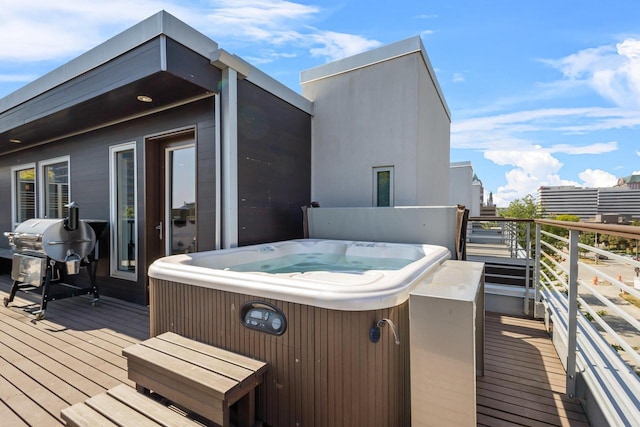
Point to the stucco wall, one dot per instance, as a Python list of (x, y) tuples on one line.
[(433, 143), (385, 114), (434, 225), (460, 190)]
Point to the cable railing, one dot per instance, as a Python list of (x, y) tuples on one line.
[(504, 245), (597, 331)]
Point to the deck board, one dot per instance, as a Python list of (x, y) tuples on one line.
[(76, 352), (71, 355), (524, 382)]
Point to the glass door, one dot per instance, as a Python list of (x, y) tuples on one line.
[(180, 199)]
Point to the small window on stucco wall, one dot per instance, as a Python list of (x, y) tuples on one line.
[(383, 186)]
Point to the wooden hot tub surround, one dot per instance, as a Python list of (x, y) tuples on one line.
[(323, 370)]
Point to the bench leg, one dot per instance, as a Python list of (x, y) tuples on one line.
[(143, 390), (247, 410)]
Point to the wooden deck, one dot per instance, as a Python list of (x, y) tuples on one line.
[(76, 352), (71, 355), (524, 381)]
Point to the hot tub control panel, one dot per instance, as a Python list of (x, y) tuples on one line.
[(263, 317)]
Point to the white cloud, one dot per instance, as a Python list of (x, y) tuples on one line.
[(339, 45), (271, 21), (457, 78), (532, 168), (597, 178), (596, 148), (504, 131), (611, 71), (514, 139), (281, 24), (37, 30), (426, 16)]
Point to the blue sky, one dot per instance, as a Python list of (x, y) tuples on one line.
[(541, 92)]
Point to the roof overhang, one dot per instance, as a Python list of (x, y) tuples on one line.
[(161, 59)]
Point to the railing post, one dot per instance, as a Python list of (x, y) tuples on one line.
[(573, 313), (527, 263), (510, 225), (503, 232), (536, 274)]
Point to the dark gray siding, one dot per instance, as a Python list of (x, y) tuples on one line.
[(89, 172), (274, 166)]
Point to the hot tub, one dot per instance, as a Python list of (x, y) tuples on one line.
[(307, 308)]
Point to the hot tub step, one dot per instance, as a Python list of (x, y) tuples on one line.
[(122, 405), (199, 377)]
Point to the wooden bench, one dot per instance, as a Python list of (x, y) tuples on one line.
[(123, 406), (198, 377)]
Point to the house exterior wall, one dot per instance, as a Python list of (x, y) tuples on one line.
[(274, 167), (433, 143), (387, 113), (84, 116), (460, 185), (89, 180), (476, 199)]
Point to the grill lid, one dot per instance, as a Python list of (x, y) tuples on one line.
[(50, 237)]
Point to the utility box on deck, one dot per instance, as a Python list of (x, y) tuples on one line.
[(446, 318)]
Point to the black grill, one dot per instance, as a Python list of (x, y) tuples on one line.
[(48, 252)]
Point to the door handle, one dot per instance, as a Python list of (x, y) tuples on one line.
[(159, 228)]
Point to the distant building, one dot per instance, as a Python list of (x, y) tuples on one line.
[(465, 188), (462, 190), (630, 182), (622, 200), (570, 200), (489, 208)]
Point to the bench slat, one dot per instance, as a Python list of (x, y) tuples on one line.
[(81, 415), (181, 394), (123, 406), (176, 369), (152, 409), (118, 412), (228, 356), (206, 361)]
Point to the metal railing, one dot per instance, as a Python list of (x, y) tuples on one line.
[(515, 236), (601, 335)]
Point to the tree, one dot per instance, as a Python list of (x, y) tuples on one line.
[(560, 231), (524, 208)]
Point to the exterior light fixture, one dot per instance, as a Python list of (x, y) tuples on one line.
[(144, 98), (15, 141)]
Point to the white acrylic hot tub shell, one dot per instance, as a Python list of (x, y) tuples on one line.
[(371, 290)]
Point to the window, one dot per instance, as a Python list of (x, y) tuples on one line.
[(383, 186), (122, 189), (54, 188), (23, 193)]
